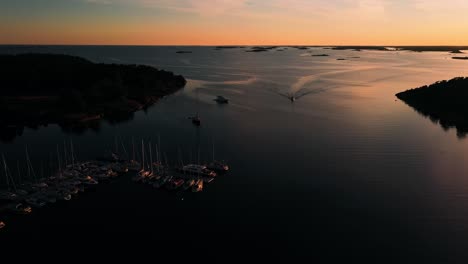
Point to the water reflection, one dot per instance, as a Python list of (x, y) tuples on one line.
[(8, 133), (446, 124)]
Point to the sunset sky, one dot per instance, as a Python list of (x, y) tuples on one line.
[(229, 22)]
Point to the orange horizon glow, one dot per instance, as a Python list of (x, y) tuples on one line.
[(235, 22)]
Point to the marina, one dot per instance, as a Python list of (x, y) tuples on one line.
[(71, 179)]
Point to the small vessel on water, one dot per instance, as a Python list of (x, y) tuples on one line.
[(196, 120), (221, 100), (2, 224), (196, 170)]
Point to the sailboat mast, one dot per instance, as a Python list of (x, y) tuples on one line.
[(124, 149), (65, 153), (72, 153), (133, 151), (6, 172), (142, 155), (116, 146), (19, 172), (30, 168), (198, 161), (58, 159), (151, 157), (157, 157)]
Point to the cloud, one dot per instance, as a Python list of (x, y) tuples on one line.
[(101, 2), (200, 7)]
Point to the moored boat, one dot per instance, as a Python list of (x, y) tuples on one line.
[(198, 186), (196, 170), (20, 208), (188, 184), (218, 166)]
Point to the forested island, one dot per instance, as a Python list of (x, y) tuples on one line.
[(444, 102), (40, 89), (451, 49)]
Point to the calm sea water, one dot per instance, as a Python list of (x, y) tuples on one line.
[(346, 171)]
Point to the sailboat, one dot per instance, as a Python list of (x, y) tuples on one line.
[(217, 166), (133, 165), (7, 194), (150, 174), (142, 173)]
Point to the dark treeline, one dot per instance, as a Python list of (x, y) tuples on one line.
[(38, 89), (50, 74), (444, 102)]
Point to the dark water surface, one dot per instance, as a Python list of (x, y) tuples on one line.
[(344, 172)]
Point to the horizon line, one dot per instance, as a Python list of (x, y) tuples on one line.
[(237, 45)]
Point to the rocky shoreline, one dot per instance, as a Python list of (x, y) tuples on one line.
[(42, 89)]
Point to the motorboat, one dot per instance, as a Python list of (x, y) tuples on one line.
[(196, 120), (221, 100)]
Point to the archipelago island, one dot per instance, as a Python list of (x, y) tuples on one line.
[(42, 89), (443, 102)]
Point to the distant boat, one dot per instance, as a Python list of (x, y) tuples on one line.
[(221, 100), (2, 224), (196, 120)]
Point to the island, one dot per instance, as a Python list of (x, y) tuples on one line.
[(260, 49), (451, 49), (227, 47), (42, 89), (443, 102), (359, 48)]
